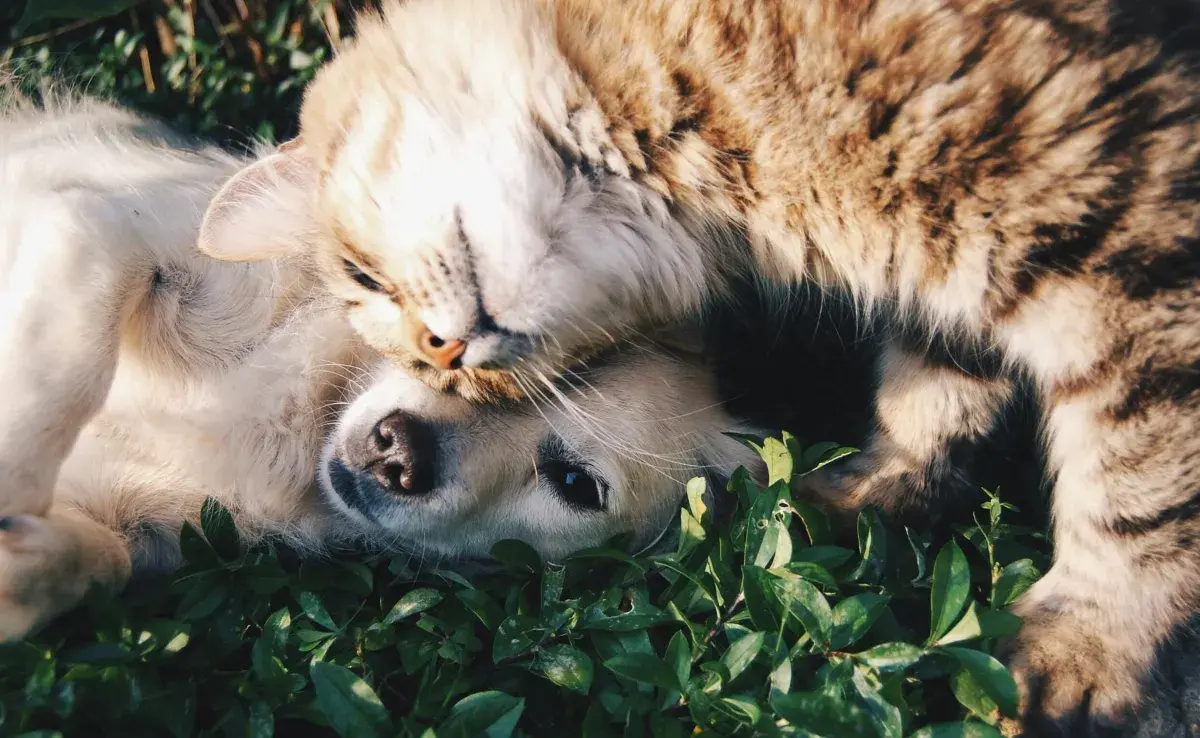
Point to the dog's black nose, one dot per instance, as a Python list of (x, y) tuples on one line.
[(399, 453)]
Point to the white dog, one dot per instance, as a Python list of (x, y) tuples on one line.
[(141, 377)]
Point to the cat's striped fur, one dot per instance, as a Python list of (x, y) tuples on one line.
[(1022, 174)]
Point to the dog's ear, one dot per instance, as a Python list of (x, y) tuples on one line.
[(263, 211)]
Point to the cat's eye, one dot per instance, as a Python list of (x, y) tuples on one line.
[(358, 275), (575, 485)]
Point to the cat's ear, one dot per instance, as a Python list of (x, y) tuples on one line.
[(263, 211)]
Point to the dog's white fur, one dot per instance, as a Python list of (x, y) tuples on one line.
[(142, 377)]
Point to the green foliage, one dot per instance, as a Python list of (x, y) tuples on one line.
[(223, 68), (758, 623)]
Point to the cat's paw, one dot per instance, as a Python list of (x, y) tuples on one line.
[(883, 478), (48, 563), (1072, 678)]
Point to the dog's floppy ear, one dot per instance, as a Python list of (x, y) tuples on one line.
[(262, 212)]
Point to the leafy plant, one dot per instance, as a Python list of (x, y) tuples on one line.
[(760, 622), (223, 68)]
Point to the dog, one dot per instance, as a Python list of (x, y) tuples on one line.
[(143, 377)]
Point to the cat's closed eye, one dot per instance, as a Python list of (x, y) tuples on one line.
[(362, 278)]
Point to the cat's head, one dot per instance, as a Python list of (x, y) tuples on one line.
[(463, 196)]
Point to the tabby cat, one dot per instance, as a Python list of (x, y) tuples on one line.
[(504, 188)]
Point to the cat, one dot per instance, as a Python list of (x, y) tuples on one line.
[(504, 187), (143, 377)]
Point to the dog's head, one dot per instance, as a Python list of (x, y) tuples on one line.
[(468, 203), (606, 453)]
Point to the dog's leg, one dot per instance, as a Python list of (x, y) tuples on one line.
[(929, 414), (68, 264), (47, 564)]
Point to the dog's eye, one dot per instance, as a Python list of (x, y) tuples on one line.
[(575, 485), (358, 275)]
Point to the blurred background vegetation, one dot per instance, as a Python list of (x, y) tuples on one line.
[(227, 69)]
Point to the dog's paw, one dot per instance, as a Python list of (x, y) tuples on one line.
[(48, 563), (1072, 678)]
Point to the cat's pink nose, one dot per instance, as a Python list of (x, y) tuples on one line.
[(444, 354)]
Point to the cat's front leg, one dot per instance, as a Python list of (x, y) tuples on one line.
[(930, 413), (1126, 575), (48, 563)]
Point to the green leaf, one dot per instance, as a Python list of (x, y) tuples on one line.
[(974, 624), (891, 658), (781, 675), (261, 721), (971, 695), (814, 573), (696, 487), (644, 668), (886, 715), (951, 587), (553, 576), (814, 460), (347, 702), (957, 730), (741, 653), (517, 554), (992, 678), (764, 606), (196, 549), (413, 602), (778, 459), (206, 593), (815, 522), (824, 714), (484, 607), (806, 603), (853, 617), (741, 709), (919, 542), (827, 557), (679, 657), (516, 635), (610, 554), (567, 667), (639, 616), (1013, 581), (276, 628), (872, 547), (758, 524), (813, 454), (40, 10), (492, 714), (315, 610), (217, 525), (265, 656)]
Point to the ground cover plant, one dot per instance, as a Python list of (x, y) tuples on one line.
[(768, 619), (757, 623)]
